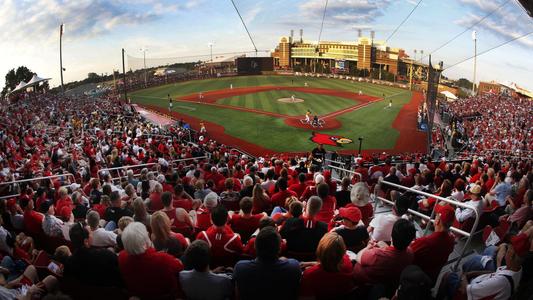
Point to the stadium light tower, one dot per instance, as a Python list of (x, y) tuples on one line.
[(61, 30), (211, 44), (143, 50), (474, 37)]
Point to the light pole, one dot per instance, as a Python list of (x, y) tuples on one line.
[(61, 29), (144, 63), (211, 50), (474, 37)]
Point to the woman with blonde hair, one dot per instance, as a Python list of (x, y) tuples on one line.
[(261, 200), (163, 238), (140, 214), (331, 276)]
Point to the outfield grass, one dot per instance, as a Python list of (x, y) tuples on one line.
[(373, 122), (268, 101)]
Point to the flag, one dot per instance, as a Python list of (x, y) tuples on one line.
[(61, 29)]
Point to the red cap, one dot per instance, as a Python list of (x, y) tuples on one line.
[(447, 214), (11, 203), (521, 244), (327, 174), (351, 213)]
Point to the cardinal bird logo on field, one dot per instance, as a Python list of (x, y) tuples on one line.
[(331, 140)]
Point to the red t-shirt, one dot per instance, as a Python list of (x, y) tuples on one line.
[(328, 209), (150, 274), (298, 188), (431, 252), (183, 203), (203, 219), (382, 265), (278, 199), (224, 243), (327, 285), (155, 201), (245, 226)]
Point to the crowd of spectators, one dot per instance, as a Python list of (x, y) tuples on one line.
[(492, 122), (131, 209)]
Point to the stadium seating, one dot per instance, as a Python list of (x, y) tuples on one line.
[(107, 157)]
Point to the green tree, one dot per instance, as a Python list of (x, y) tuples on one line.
[(13, 78)]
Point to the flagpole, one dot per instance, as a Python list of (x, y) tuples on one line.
[(61, 57), (474, 37)]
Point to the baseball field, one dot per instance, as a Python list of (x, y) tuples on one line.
[(266, 114)]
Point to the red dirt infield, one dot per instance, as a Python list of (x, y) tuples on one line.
[(410, 139)]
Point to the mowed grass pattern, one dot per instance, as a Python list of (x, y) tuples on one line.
[(373, 122), (268, 101)]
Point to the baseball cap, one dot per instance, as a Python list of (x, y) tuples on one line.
[(447, 214), (351, 213), (521, 244), (476, 189)]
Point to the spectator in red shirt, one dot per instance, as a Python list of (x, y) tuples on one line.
[(299, 187), (431, 252), (261, 200), (328, 203), (331, 276), (203, 214), (33, 221), (147, 273), (154, 202), (360, 196), (225, 245), (383, 263), (249, 248), (245, 223), (181, 198), (278, 199)]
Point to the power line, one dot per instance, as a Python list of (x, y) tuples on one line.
[(246, 28), (323, 18), (404, 20), (468, 29), (200, 55), (488, 50)]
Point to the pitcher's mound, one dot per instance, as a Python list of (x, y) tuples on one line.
[(289, 100)]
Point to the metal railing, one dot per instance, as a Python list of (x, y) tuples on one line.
[(67, 175), (342, 173), (242, 152), (430, 218), (125, 168), (38, 178)]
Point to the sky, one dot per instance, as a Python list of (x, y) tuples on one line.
[(97, 30)]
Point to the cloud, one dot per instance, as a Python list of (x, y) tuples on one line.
[(505, 23), (345, 12), (39, 20)]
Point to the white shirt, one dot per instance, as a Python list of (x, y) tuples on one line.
[(103, 238), (382, 225), (494, 285), (462, 214)]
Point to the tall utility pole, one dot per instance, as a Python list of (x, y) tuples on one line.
[(124, 77), (144, 63), (211, 50), (474, 37), (61, 28)]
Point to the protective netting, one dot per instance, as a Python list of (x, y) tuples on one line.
[(139, 63)]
